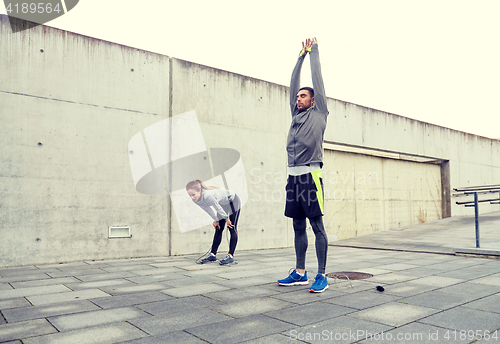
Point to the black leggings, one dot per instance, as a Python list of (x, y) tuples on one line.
[(301, 243), (234, 210)]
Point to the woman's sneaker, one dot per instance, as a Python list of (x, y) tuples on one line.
[(209, 259), (294, 279), (320, 284), (227, 261)]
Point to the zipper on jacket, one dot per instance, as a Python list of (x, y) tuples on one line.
[(294, 142)]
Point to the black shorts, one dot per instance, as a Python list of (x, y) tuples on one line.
[(304, 195)]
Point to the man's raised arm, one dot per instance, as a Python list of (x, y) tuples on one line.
[(295, 82), (317, 79)]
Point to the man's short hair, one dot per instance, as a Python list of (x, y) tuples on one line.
[(310, 89)]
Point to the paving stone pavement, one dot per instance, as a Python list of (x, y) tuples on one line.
[(431, 296)]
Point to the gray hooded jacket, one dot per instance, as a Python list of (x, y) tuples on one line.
[(215, 198)]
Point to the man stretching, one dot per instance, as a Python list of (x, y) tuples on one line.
[(304, 189)]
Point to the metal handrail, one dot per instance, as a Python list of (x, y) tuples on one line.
[(475, 190), (464, 193), (482, 200), (478, 188)]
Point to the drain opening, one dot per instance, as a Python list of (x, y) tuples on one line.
[(344, 275)]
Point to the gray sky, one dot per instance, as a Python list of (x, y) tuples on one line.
[(436, 61)]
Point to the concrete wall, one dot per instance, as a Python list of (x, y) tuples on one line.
[(249, 116), (70, 104), (473, 160)]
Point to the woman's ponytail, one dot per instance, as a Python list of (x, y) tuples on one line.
[(198, 185)]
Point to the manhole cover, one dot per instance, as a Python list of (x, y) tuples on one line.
[(349, 274)]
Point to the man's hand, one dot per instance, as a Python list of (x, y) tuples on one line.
[(306, 46), (216, 225)]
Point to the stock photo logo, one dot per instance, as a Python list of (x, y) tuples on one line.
[(37, 12), (167, 155)]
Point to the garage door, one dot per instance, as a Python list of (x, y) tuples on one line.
[(366, 194)]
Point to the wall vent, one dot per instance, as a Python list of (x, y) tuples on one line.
[(119, 232)]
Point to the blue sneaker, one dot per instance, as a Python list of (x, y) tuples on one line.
[(320, 284), (294, 279)]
